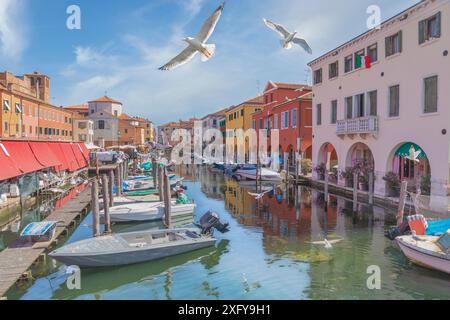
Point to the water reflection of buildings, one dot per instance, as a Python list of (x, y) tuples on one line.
[(212, 184)]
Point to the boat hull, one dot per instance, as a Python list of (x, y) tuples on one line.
[(151, 214), (131, 257), (250, 175), (422, 258)]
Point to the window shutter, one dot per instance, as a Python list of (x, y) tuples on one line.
[(438, 20), (422, 25), (388, 46), (400, 41)]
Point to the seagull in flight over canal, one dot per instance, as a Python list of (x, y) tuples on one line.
[(327, 243), (197, 44), (287, 37), (259, 196)]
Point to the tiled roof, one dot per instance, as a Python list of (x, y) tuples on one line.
[(124, 116), (257, 100), (78, 107), (293, 86), (106, 99)]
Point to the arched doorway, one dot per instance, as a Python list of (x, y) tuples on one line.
[(327, 161), (409, 162), (291, 155), (360, 161)]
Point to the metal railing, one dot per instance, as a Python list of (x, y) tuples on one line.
[(358, 126)]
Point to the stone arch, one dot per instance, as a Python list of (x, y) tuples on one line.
[(327, 155)]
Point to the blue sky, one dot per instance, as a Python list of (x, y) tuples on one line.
[(122, 43)]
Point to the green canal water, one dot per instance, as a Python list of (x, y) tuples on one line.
[(268, 254)]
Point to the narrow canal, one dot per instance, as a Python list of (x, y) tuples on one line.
[(270, 253)]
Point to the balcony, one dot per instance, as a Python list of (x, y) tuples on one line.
[(363, 127)]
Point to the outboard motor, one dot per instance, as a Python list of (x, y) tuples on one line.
[(211, 220)]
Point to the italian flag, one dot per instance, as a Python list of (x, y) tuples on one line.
[(363, 59)]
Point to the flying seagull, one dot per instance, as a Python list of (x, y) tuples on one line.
[(258, 196), (198, 44), (288, 37)]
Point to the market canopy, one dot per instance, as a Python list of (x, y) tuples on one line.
[(8, 168), (23, 156), (404, 151), (44, 154)]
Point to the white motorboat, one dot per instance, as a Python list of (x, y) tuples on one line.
[(265, 174), (147, 211), (427, 251), (136, 247), (130, 248)]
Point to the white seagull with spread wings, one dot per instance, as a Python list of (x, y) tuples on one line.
[(288, 37), (198, 44)]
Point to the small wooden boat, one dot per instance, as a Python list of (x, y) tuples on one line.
[(143, 211), (130, 248), (427, 251), (140, 193), (265, 174), (39, 231)]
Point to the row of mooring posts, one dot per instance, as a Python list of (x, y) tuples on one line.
[(355, 189), (108, 176)]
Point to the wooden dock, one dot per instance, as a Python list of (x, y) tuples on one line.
[(16, 260)]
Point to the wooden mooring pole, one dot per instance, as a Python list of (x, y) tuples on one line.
[(402, 203), (160, 183), (371, 180), (167, 201), (326, 189), (111, 187), (119, 180), (355, 192), (95, 208), (105, 192), (154, 172)]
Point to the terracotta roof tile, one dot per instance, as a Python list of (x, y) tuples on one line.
[(106, 99)]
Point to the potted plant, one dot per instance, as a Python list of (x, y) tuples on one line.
[(306, 166), (425, 185), (363, 182), (347, 175), (333, 176), (392, 184), (320, 170)]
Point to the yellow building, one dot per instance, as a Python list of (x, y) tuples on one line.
[(238, 202), (240, 118)]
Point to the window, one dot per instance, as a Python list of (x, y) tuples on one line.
[(394, 44), (18, 108), (101, 124), (394, 101), (294, 118), (82, 137), (430, 28), (319, 114), (5, 127), (254, 124), (431, 94), (285, 120), (6, 105), (349, 108), (17, 128), (359, 56), (66, 120), (372, 52), (333, 70), (372, 98), (82, 125), (349, 63), (318, 76), (31, 129), (126, 131), (334, 105), (275, 120), (360, 106), (242, 112)]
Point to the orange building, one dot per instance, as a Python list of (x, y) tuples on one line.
[(27, 111)]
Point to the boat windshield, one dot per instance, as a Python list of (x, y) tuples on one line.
[(444, 242)]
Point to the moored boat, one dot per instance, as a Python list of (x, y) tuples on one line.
[(427, 251)]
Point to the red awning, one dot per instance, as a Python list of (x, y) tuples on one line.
[(55, 147), (23, 156), (70, 156), (85, 151), (8, 168), (82, 163), (44, 154)]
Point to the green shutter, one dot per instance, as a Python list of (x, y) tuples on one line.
[(438, 18), (400, 41), (388, 46), (422, 25)]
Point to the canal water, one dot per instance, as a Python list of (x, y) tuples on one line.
[(273, 251)]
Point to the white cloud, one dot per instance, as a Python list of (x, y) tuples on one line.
[(12, 37)]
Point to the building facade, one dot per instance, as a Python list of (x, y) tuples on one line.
[(288, 108), (380, 101), (27, 112), (239, 119)]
